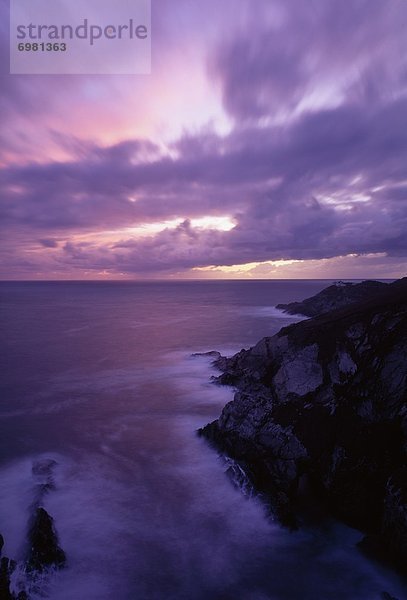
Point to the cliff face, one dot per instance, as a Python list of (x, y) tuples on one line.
[(327, 399)]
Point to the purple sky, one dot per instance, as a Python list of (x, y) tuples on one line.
[(269, 141)]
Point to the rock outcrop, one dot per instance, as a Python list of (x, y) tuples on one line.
[(326, 400), (43, 551), (7, 567)]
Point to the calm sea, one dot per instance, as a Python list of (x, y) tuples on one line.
[(99, 377)]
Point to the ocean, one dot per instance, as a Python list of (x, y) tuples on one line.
[(100, 377)]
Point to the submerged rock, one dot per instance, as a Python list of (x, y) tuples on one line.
[(43, 468), (211, 354), (327, 399)]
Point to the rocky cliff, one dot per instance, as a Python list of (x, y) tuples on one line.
[(325, 400), (335, 296)]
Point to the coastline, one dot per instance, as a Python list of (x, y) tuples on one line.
[(323, 402)]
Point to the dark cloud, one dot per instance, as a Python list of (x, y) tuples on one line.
[(49, 243), (354, 49), (331, 184)]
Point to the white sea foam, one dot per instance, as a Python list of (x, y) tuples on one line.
[(271, 312)]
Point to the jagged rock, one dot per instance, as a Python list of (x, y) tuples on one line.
[(7, 567), (44, 551), (327, 398), (335, 296), (239, 477), (300, 374), (43, 541)]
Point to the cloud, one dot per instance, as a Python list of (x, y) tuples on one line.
[(313, 167), (316, 53), (331, 184), (49, 243)]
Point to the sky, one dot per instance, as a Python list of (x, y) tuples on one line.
[(269, 141)]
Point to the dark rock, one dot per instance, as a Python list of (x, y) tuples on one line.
[(394, 518), (7, 567), (335, 296), (327, 398), (43, 541), (44, 552)]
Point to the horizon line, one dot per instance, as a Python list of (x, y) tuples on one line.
[(180, 280)]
